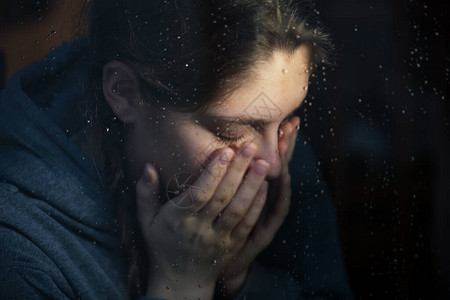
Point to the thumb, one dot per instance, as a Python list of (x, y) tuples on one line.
[(147, 195)]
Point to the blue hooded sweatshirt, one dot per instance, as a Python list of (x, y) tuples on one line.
[(58, 234)]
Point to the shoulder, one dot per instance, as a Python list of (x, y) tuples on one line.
[(46, 250), (25, 270)]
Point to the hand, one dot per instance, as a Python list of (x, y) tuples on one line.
[(286, 142), (272, 217), (189, 246)]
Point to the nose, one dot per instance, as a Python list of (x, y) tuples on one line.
[(268, 150)]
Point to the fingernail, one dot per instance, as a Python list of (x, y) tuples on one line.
[(247, 150), (150, 174), (261, 167)]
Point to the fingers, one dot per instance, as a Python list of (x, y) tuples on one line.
[(286, 142), (231, 182), (202, 190), (277, 212), (258, 228), (245, 226), (147, 202), (295, 121), (238, 207)]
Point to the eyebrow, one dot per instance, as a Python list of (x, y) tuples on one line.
[(245, 119), (241, 120)]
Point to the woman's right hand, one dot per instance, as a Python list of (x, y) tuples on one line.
[(190, 245)]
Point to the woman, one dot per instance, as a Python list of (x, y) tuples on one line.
[(187, 140)]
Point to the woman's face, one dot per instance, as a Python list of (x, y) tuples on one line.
[(181, 143)]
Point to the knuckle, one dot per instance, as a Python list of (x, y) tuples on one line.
[(222, 197), (236, 214), (197, 195), (216, 170)]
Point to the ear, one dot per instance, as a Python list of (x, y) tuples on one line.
[(121, 90)]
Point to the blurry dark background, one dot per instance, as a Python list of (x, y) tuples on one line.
[(378, 121)]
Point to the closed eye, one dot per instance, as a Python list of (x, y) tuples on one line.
[(228, 130), (229, 140)]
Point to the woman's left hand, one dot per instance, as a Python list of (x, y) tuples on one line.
[(279, 195)]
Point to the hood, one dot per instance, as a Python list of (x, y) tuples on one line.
[(39, 116)]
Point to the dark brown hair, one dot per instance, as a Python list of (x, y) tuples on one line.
[(186, 54)]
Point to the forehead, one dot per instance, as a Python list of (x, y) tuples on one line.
[(279, 86)]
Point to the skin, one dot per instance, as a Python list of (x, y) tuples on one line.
[(205, 245)]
